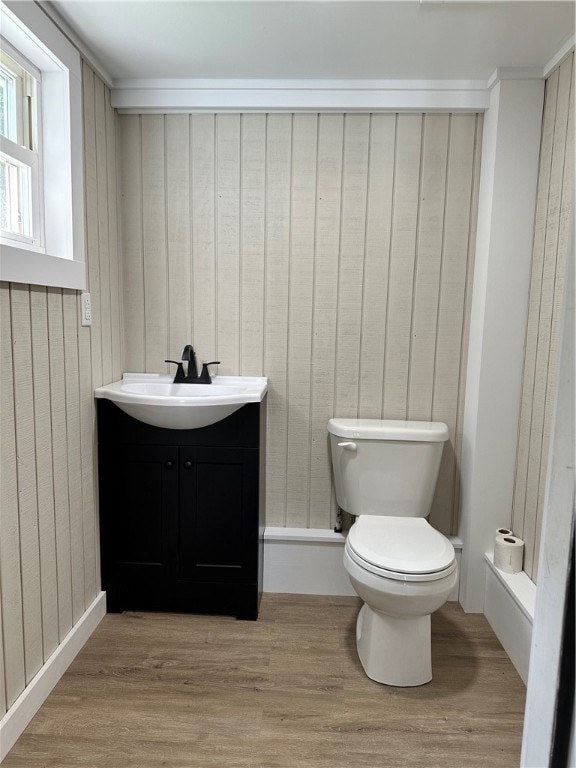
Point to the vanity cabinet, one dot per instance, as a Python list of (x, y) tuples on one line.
[(182, 513)]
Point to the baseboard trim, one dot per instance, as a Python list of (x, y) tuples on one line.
[(308, 561), (509, 608), (33, 696)]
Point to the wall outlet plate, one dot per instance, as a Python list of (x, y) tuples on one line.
[(85, 309)]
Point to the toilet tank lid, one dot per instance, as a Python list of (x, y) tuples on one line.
[(389, 429)]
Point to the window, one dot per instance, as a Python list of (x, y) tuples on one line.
[(41, 155), (20, 161)]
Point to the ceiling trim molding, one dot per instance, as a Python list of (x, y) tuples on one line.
[(76, 41), (162, 96), (559, 57)]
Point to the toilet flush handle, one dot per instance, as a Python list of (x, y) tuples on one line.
[(348, 446)]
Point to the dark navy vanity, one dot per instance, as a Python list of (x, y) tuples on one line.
[(182, 513)]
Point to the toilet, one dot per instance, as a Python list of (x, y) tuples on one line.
[(385, 474)]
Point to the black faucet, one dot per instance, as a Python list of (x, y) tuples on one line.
[(191, 375)]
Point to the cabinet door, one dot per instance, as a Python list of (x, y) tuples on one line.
[(138, 513), (218, 514)]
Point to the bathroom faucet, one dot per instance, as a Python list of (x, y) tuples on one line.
[(191, 375), (190, 355)]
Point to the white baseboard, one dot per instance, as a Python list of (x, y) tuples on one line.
[(33, 696), (509, 608), (308, 561)]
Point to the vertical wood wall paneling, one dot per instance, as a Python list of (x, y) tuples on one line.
[(376, 264), (351, 264), (103, 303), (554, 206), (92, 218), (252, 239), (402, 263), (299, 319), (26, 468), (545, 168), (331, 253), (154, 241), (60, 460), (324, 313), (451, 311), (204, 297), (228, 285), (459, 432), (566, 205), (50, 365), (426, 291), (115, 271), (278, 212), (44, 477), (130, 186), (178, 234), (72, 395), (10, 565)]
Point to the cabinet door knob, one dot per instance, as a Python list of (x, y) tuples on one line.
[(169, 464), (187, 464)]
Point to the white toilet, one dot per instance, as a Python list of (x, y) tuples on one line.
[(403, 569)]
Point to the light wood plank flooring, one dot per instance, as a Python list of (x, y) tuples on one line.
[(287, 691)]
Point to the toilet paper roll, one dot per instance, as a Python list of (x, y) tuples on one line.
[(508, 553), (504, 532)]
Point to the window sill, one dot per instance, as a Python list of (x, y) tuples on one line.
[(22, 265)]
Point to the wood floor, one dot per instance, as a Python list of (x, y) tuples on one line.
[(286, 691)]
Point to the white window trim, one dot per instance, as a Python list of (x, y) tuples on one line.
[(62, 261)]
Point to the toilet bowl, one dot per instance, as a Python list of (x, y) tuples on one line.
[(403, 569)]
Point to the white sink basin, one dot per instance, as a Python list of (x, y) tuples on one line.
[(154, 398)]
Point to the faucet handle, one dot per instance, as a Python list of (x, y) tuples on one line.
[(179, 370), (205, 376)]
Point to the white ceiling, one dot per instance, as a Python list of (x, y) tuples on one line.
[(347, 39)]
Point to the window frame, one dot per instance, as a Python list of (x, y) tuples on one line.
[(25, 148), (58, 260)]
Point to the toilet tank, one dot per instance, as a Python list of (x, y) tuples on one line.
[(385, 467)]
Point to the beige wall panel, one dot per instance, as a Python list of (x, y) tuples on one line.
[(92, 218), (72, 393), (178, 234), (60, 460), (88, 464), (130, 186), (44, 477), (376, 264), (300, 300), (252, 234), (564, 226), (451, 310), (351, 264), (2, 672), (546, 147), (228, 287), (278, 187), (10, 567), (154, 242), (203, 229), (115, 267), (49, 564), (103, 297), (459, 436), (545, 361), (426, 291), (27, 493), (402, 260), (316, 260), (324, 313)]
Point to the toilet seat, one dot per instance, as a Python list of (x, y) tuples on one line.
[(400, 548)]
